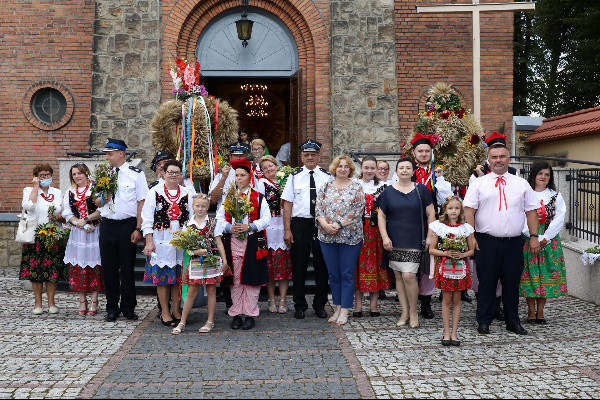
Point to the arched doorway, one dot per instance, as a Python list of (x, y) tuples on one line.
[(261, 81)]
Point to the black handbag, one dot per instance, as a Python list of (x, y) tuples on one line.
[(425, 263)]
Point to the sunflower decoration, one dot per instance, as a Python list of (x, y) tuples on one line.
[(457, 133)]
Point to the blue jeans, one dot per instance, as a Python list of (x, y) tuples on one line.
[(341, 260)]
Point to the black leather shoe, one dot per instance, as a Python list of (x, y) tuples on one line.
[(237, 322), (455, 343), (111, 317), (374, 314), (321, 313), (131, 317), (464, 296), (446, 342), (426, 310), (248, 323), (541, 321), (299, 314), (484, 329), (518, 329), (357, 314), (532, 321)]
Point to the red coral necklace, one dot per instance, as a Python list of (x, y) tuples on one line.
[(174, 210), (49, 198)]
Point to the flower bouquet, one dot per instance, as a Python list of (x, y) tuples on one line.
[(591, 255), (104, 182), (282, 176), (456, 243), (238, 206), (188, 240), (186, 79), (51, 235)]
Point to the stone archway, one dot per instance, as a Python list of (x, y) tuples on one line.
[(185, 21)]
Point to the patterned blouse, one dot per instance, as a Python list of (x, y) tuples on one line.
[(341, 204)]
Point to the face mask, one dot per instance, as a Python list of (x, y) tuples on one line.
[(46, 182)]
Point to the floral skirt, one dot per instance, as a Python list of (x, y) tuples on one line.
[(280, 265), (206, 281), (544, 275), (157, 276), (370, 276), (86, 279), (39, 264), (448, 284)]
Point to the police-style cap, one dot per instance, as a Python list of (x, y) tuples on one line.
[(115, 144), (159, 156), (494, 138), (310, 145), (239, 148)]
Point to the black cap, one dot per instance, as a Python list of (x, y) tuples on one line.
[(310, 145), (114, 144), (239, 148), (159, 156)]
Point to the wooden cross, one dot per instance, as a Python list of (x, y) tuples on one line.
[(475, 9)]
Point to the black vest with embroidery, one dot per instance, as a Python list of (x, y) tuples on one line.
[(90, 205), (273, 200), (161, 212)]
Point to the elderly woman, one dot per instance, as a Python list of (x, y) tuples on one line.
[(544, 275), (257, 147), (401, 222), (82, 255), (279, 261), (246, 248), (38, 263), (166, 209), (339, 211)]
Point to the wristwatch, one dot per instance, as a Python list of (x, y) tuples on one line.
[(139, 230), (86, 219), (534, 235)]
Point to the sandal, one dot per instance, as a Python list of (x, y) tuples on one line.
[(167, 323), (342, 319), (93, 312), (207, 328), (82, 312), (334, 317), (282, 307), (177, 330), (272, 307)]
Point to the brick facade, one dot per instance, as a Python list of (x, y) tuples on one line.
[(42, 44)]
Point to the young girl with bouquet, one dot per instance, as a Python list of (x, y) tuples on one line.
[(204, 225), (451, 245)]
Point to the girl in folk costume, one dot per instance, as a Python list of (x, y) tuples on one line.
[(452, 243), (166, 209), (205, 226), (544, 275), (279, 261), (370, 276), (245, 247), (82, 255)]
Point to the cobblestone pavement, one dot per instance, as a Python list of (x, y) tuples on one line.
[(67, 356)]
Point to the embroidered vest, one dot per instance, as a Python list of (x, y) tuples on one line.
[(273, 199), (162, 219), (89, 203)]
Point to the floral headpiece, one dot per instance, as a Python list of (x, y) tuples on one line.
[(447, 199)]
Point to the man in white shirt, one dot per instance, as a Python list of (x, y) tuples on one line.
[(300, 230), (120, 231), (497, 205), (284, 155)]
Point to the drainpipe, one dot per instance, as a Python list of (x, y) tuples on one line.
[(514, 138)]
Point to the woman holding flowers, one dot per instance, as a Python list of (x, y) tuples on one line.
[(279, 262), (82, 255), (202, 227), (42, 261), (241, 223), (166, 209)]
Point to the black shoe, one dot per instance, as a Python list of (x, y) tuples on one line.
[(532, 321), (484, 329), (132, 316), (321, 313), (446, 342), (357, 314), (374, 314), (455, 343), (111, 317), (426, 311), (237, 322), (440, 297), (248, 323), (171, 322), (464, 296), (499, 312), (518, 329), (299, 314), (541, 321), (382, 295)]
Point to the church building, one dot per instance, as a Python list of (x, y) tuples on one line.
[(351, 74)]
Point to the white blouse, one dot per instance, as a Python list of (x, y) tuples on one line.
[(442, 230), (39, 209), (150, 206), (369, 187), (559, 218)]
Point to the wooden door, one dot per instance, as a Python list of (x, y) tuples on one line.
[(297, 131)]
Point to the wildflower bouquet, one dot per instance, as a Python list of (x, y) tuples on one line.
[(186, 79), (51, 235), (104, 182), (456, 243), (237, 206), (282, 176), (188, 239)]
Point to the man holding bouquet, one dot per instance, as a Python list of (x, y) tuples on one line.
[(121, 231)]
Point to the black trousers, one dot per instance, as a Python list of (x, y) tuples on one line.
[(118, 257), (304, 232), (499, 258)]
